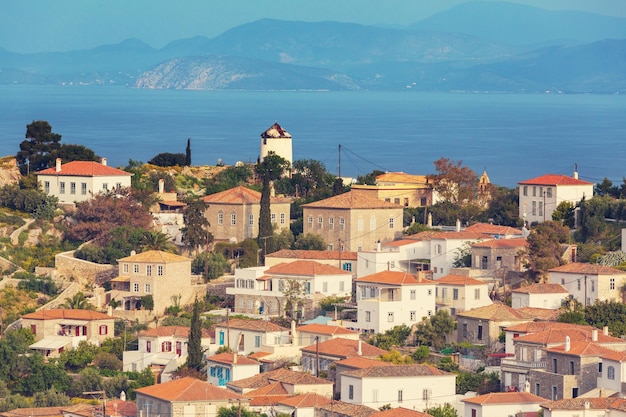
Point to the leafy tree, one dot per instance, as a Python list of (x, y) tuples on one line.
[(235, 411), (463, 256), (36, 376), (104, 360), (454, 182), (271, 168), (447, 213), (210, 265), (230, 177), (434, 330), (32, 201), (105, 212), (293, 294), (544, 247), (310, 241), (607, 313), (154, 177), (246, 252), (606, 187), (114, 244), (79, 357), (564, 213), (445, 410), (309, 179), (36, 151), (446, 364), (77, 302), (196, 231), (480, 382), (392, 337), (194, 355), (147, 302), (188, 153), (421, 354), (395, 357), (69, 153), (503, 208), (369, 179), (88, 379), (50, 398), (155, 240), (167, 159)]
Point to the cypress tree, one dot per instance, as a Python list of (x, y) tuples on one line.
[(188, 153), (194, 350)]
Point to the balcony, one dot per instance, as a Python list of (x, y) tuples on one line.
[(517, 364), (445, 300)]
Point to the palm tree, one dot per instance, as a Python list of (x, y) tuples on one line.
[(155, 240), (77, 302)]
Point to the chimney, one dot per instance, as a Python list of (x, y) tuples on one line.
[(378, 246), (567, 344), (234, 358), (458, 225), (272, 190), (58, 165), (430, 220), (104, 161), (294, 334), (161, 185), (133, 253), (601, 393), (575, 171), (594, 335), (605, 330), (359, 351)]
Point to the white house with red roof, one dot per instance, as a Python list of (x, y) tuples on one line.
[(458, 293), (390, 298), (78, 181), (321, 356), (539, 295), (310, 333), (417, 386), (233, 214), (341, 259), (540, 196), (589, 283), (245, 336), (61, 329), (402, 255), (230, 366), (502, 404), (261, 290), (162, 348)]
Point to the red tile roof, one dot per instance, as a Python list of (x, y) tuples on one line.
[(463, 234), (399, 243), (237, 195), (282, 375), (118, 407), (341, 408), (155, 256), (493, 229), (521, 242), (535, 313), (67, 313), (229, 358), (394, 278), (314, 255), (401, 177), (541, 289), (495, 312), (344, 348), (577, 348), (353, 200), (585, 268), (459, 280), (306, 400), (400, 412), (85, 169), (325, 329), (276, 131), (539, 326), (397, 371), (557, 335), (579, 403), (188, 389), (253, 325), (506, 398), (268, 395), (359, 362), (305, 268), (554, 179)]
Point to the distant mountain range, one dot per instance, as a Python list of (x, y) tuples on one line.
[(477, 46)]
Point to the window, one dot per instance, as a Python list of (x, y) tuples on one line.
[(273, 218), (351, 392), (392, 264), (136, 268), (320, 222), (104, 329), (396, 201), (399, 395), (438, 249), (610, 372), (455, 293), (372, 292), (549, 192), (413, 315), (221, 338), (325, 287), (593, 286), (571, 367), (233, 219), (310, 222), (426, 394), (136, 287), (538, 389), (477, 294), (599, 367), (391, 222), (105, 187), (342, 223), (541, 208), (390, 317), (554, 365), (525, 190), (257, 341), (360, 225), (534, 191), (368, 316), (281, 285), (612, 284), (118, 185), (412, 294), (220, 218), (148, 346), (430, 292), (347, 266), (46, 187), (83, 188), (282, 218), (166, 347), (125, 268), (480, 332), (578, 285), (329, 247), (149, 270), (251, 220), (331, 223), (160, 270), (72, 188), (553, 394), (484, 262), (533, 209), (62, 188), (147, 288), (464, 329)]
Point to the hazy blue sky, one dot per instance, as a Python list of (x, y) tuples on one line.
[(59, 25)]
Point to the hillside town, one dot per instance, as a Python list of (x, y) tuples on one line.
[(279, 289)]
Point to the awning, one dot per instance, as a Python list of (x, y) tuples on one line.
[(70, 322), (51, 343)]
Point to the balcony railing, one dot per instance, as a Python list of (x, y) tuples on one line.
[(523, 364)]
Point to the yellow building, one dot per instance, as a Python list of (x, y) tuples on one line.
[(400, 188)]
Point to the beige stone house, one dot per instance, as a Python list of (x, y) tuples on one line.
[(482, 326), (500, 254), (353, 221), (400, 188), (234, 214), (159, 274)]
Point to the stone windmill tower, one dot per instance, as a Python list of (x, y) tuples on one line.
[(277, 140)]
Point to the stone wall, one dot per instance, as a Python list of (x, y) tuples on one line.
[(67, 267)]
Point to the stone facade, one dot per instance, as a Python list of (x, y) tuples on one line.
[(80, 271)]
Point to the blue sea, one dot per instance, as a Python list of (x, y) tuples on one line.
[(513, 137)]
